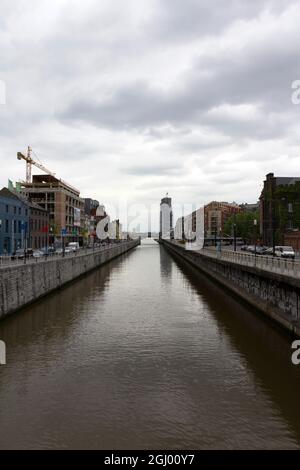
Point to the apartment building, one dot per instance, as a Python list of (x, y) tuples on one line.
[(216, 214), (63, 203), (280, 211)]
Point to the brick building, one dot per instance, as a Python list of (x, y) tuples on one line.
[(280, 211), (38, 226), (215, 215), (63, 203)]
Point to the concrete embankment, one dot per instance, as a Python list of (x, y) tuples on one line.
[(276, 295), (22, 284)]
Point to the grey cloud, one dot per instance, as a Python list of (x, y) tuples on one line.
[(259, 74), (182, 20), (150, 170), (88, 86)]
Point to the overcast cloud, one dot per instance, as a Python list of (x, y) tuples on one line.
[(129, 100)]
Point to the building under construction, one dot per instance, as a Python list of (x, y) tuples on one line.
[(63, 203)]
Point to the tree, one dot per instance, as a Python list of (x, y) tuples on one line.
[(244, 225)]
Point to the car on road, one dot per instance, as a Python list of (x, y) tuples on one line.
[(48, 250), (261, 250), (38, 254), (284, 252), (59, 251), (74, 246), (20, 253)]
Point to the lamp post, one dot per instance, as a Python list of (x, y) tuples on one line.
[(51, 236), (255, 232), (220, 240), (234, 236), (47, 238), (273, 225)]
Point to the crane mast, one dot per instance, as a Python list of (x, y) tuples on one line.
[(29, 162)]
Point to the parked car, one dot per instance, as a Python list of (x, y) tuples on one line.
[(285, 252), (29, 253), (74, 246), (18, 254), (250, 248), (269, 251), (60, 250), (50, 250), (261, 250), (38, 254)]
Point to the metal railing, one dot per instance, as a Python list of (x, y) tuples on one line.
[(8, 261), (273, 264)]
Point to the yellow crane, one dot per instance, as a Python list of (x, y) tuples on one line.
[(29, 162)]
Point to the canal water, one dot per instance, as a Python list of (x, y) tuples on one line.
[(146, 353)]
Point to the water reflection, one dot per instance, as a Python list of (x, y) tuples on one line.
[(146, 353)]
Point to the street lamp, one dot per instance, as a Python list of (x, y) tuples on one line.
[(234, 236), (255, 232), (220, 238)]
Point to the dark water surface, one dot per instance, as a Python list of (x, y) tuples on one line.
[(146, 353)]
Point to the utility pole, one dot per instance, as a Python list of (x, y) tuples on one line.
[(234, 237), (273, 226), (255, 225), (12, 237)]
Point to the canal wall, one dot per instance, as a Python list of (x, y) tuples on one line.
[(22, 284), (275, 295)]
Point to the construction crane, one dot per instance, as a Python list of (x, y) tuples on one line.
[(29, 162)]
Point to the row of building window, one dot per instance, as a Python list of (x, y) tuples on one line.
[(15, 210), (37, 225), (17, 243), (16, 226)]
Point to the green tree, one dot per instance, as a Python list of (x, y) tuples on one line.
[(244, 226)]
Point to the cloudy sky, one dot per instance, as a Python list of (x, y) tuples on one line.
[(130, 99)]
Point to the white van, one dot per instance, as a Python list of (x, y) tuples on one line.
[(284, 252), (73, 246)]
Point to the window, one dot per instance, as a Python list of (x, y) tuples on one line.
[(290, 207), (6, 226), (7, 208), (19, 210), (15, 210)]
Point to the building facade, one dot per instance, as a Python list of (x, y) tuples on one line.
[(207, 222), (166, 218), (62, 202), (23, 224), (90, 210), (14, 222), (280, 210), (216, 214), (38, 226)]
